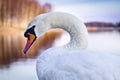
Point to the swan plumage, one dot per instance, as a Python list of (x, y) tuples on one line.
[(71, 61)]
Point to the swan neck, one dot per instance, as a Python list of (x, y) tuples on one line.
[(78, 38)]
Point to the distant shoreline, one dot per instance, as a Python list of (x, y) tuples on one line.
[(94, 28)]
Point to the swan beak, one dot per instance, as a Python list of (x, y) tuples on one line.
[(31, 39)]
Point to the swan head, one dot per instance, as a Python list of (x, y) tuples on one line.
[(35, 29)]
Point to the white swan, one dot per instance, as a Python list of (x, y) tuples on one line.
[(71, 61)]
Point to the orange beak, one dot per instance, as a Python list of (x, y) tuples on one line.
[(30, 41)]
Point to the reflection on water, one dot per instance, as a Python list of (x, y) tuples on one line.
[(16, 65), (11, 45)]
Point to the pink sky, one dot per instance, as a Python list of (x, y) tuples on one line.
[(89, 10)]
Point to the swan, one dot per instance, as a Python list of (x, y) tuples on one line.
[(71, 61)]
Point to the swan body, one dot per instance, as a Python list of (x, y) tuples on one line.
[(71, 61)]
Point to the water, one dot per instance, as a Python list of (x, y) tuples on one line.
[(20, 70), (14, 65), (108, 42)]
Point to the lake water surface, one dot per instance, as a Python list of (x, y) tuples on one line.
[(14, 65)]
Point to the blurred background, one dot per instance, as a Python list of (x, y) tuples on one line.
[(102, 19)]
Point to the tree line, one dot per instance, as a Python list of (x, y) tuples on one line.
[(17, 13)]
